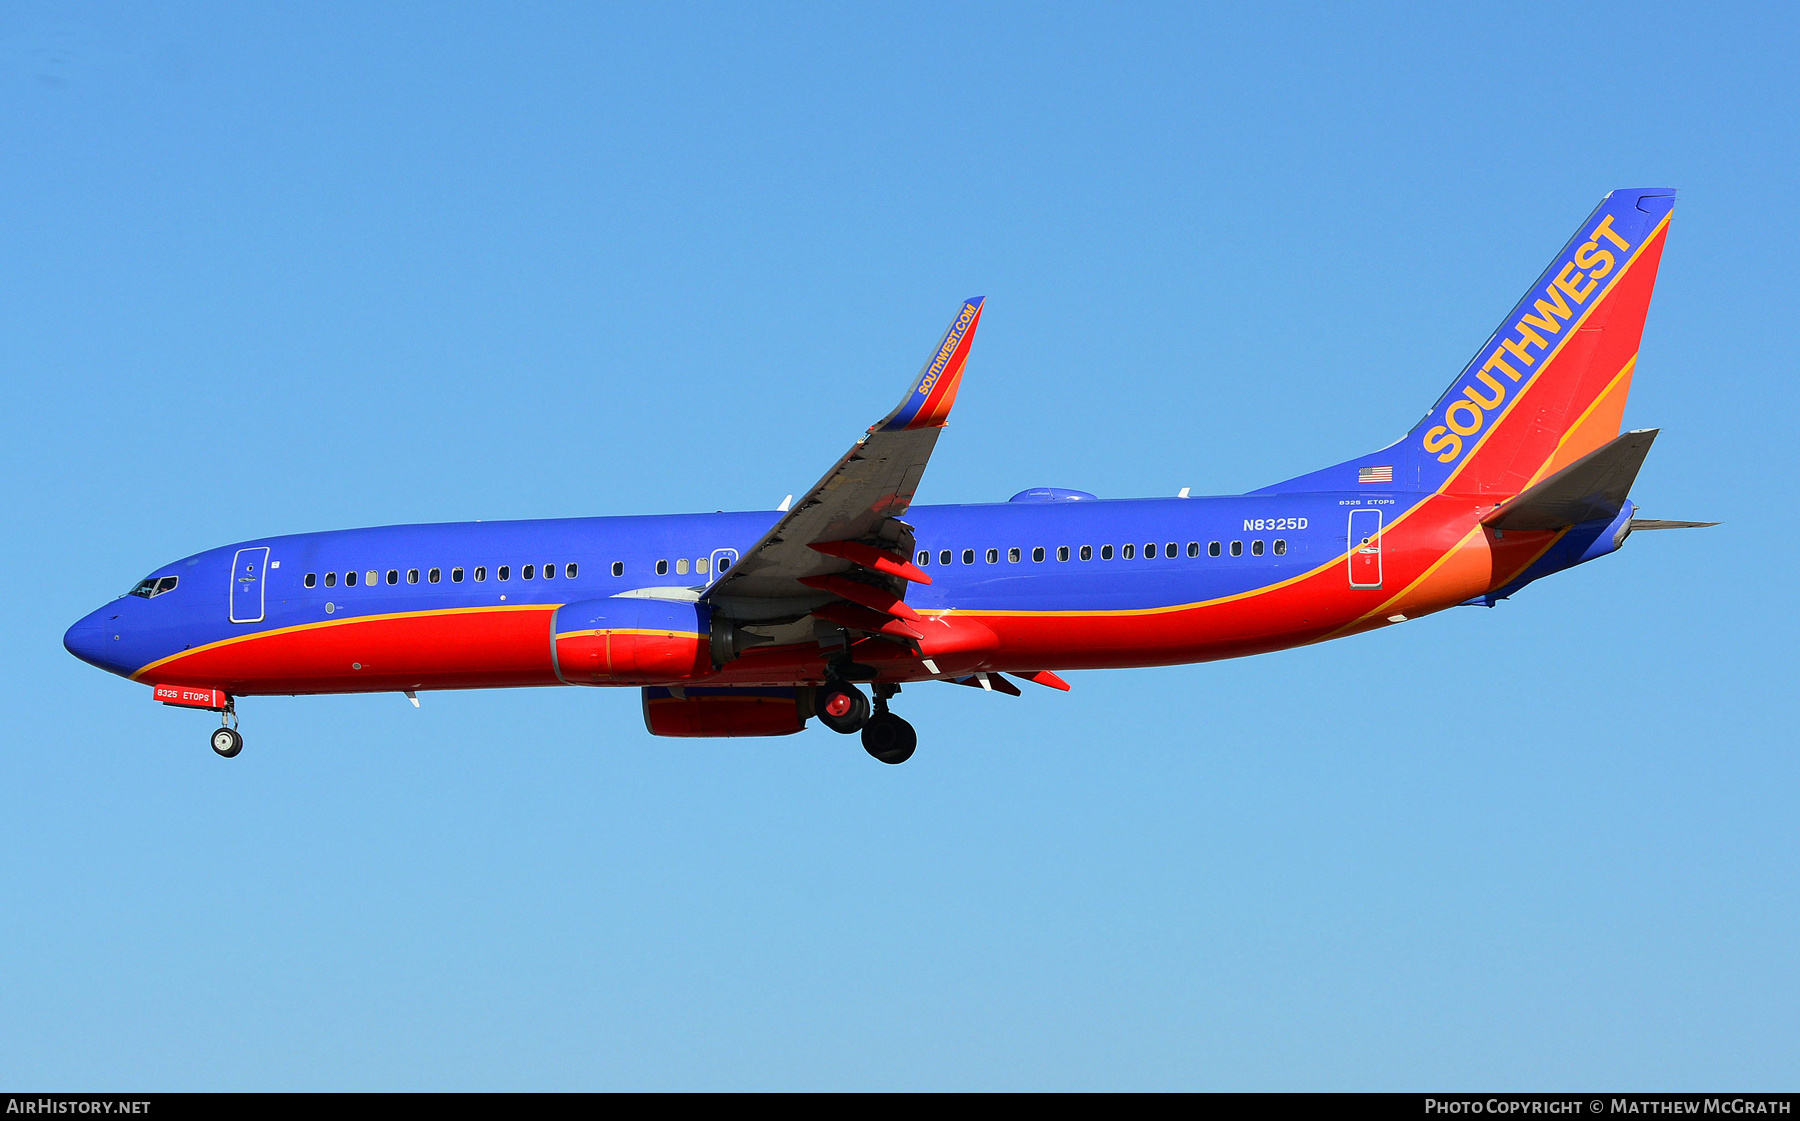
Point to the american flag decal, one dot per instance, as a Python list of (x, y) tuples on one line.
[(1374, 474)]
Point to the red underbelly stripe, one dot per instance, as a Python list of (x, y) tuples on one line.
[(471, 648)]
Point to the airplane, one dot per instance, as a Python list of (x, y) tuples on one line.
[(753, 623)]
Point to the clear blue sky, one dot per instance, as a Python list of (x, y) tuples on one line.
[(269, 270)]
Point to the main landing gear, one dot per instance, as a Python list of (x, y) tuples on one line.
[(844, 708), (226, 741)]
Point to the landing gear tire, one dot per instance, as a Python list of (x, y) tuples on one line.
[(227, 742), (889, 738), (843, 708)]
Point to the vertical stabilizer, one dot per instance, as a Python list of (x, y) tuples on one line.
[(1550, 385)]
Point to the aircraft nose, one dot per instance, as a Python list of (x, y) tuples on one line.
[(92, 640)]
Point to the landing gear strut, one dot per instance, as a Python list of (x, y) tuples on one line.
[(226, 740)]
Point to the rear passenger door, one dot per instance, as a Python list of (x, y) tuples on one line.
[(1365, 548)]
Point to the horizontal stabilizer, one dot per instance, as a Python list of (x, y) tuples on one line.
[(1659, 523), (1592, 488)]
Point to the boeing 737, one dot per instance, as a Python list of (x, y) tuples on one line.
[(751, 624)]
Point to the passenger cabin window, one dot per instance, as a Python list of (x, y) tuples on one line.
[(549, 572), (1150, 551), (618, 568), (504, 572), (331, 579), (480, 573), (371, 578), (529, 572), (412, 576), (993, 556), (393, 576), (946, 557), (1087, 552), (434, 575), (569, 569), (1237, 548), (1171, 551), (1128, 552), (312, 579), (1012, 555), (1280, 547), (1062, 552), (681, 566), (662, 568), (924, 557), (349, 579), (1037, 554), (1193, 548), (1106, 552), (456, 575), (1212, 550), (968, 556), (701, 564), (1256, 548)]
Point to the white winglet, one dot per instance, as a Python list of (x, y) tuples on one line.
[(785, 503), (413, 697), (1184, 492)]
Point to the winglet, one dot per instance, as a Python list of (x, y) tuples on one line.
[(927, 404)]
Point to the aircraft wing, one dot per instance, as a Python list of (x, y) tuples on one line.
[(842, 546)]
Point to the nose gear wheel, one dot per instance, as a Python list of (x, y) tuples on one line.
[(227, 742)]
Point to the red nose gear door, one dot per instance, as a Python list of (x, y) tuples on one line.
[(1365, 548)]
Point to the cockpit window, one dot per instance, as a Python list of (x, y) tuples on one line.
[(154, 586)]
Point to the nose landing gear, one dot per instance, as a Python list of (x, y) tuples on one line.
[(226, 741)]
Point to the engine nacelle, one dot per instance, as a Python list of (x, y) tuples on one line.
[(721, 711), (631, 641)]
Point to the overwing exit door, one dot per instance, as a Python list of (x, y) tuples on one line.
[(722, 560), (1365, 548), (247, 584)]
